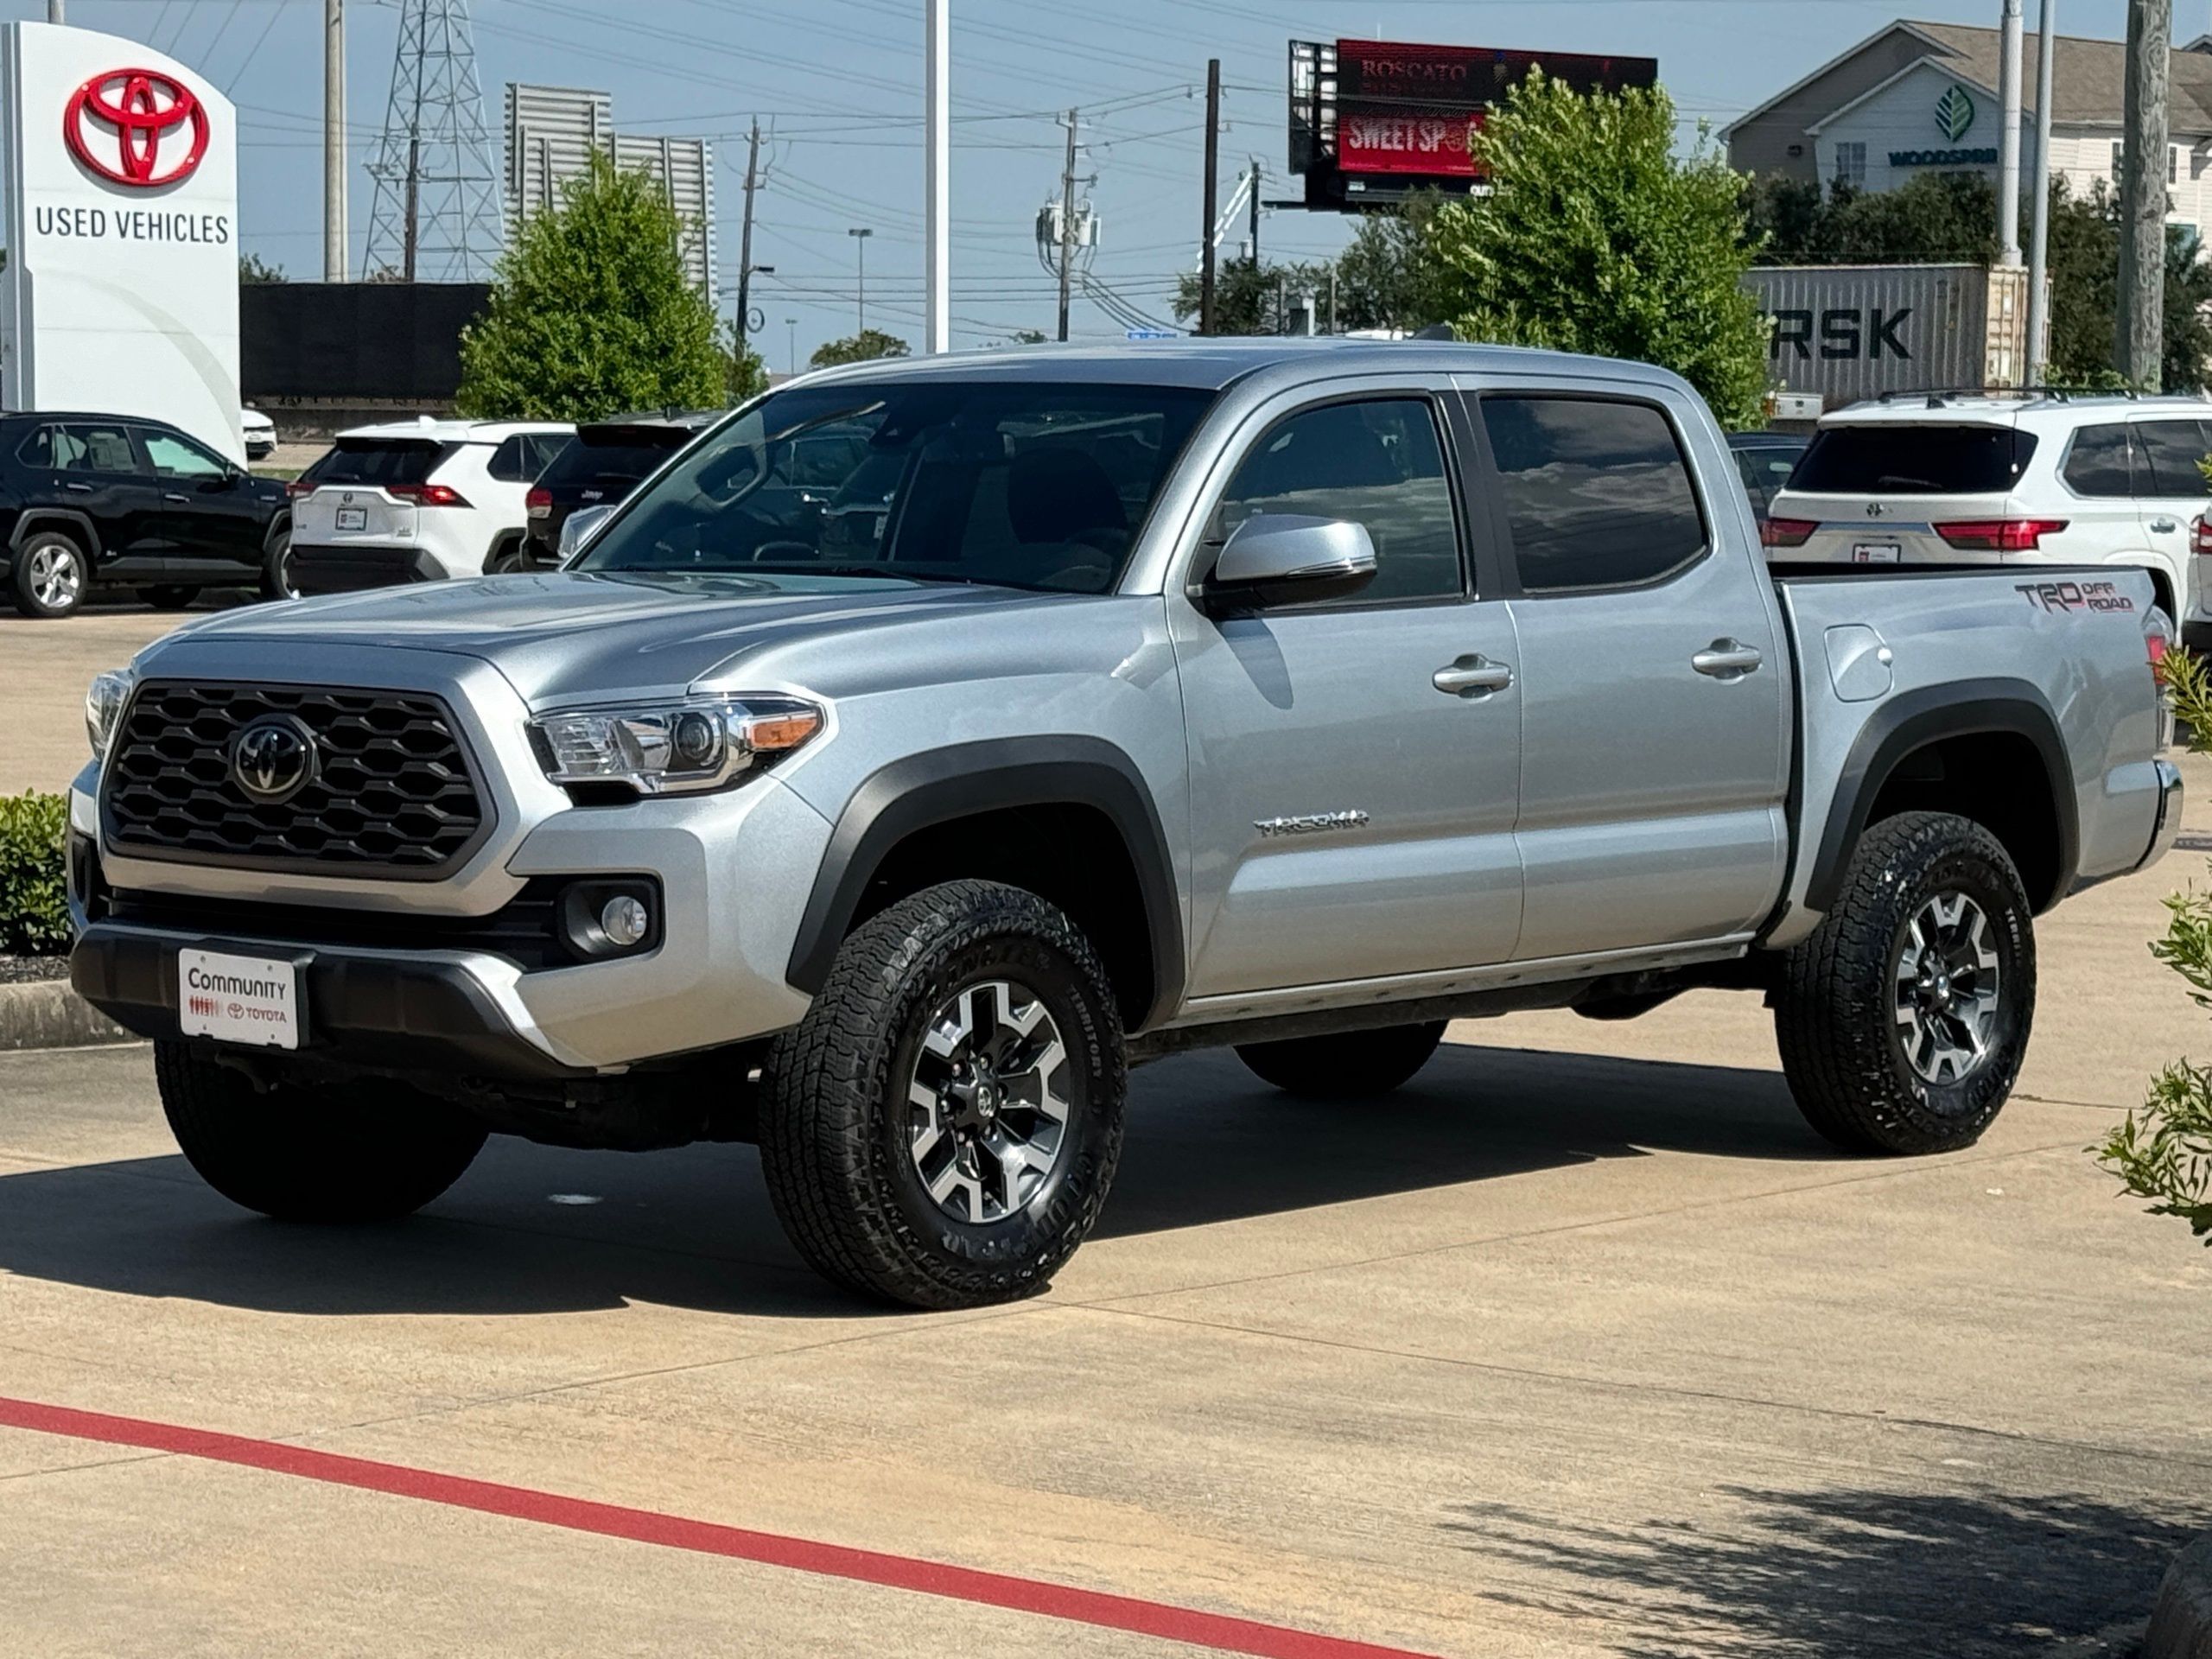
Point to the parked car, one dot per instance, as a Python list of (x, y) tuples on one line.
[(419, 501), (2036, 480), (1292, 696), (91, 501), (260, 434), (1765, 459), (599, 466)]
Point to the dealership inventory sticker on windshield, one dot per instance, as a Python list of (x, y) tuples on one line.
[(238, 999)]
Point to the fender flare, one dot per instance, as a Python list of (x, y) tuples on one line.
[(37, 518), (1915, 719), (937, 786)]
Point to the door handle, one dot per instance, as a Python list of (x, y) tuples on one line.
[(2164, 526), (171, 495), (1471, 677), (82, 489), (1727, 659)]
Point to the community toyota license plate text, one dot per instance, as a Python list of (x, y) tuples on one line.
[(353, 518), (1875, 552), (251, 999)]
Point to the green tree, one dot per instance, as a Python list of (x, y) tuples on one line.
[(745, 372), (863, 347), (2163, 1153), (591, 311), (1597, 236), (1249, 295), (252, 268), (1385, 277)]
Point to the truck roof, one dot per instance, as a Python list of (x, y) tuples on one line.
[(1212, 363)]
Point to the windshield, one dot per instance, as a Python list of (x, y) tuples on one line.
[(1910, 459), (1018, 483)]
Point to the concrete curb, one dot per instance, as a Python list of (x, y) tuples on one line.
[(2181, 1623), (48, 1013)]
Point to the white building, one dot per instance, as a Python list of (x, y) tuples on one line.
[(1918, 98)]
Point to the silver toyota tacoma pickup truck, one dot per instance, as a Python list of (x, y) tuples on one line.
[(930, 740)]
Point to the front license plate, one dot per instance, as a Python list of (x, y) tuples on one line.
[(1875, 552), (251, 999), (353, 518)]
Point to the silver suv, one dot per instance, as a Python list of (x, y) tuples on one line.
[(1296, 697)]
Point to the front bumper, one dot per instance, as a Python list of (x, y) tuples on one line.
[(378, 1011)]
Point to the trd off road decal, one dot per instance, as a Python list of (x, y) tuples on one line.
[(2074, 597)]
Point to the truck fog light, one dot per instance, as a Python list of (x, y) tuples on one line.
[(625, 921)]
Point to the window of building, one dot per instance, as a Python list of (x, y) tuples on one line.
[(2173, 163), (2119, 155), (1851, 164), (1378, 464), (1597, 492)]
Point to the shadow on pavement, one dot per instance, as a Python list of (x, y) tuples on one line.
[(1207, 1143), (1824, 1575)]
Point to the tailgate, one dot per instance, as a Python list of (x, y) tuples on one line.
[(336, 514), (1888, 529)]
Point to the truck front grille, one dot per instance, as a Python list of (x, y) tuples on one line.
[(393, 793)]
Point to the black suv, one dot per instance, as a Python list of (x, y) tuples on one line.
[(120, 500), (602, 463)]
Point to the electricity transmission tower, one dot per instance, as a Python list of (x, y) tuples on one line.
[(436, 215)]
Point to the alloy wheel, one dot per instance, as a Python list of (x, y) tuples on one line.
[(57, 576), (986, 1115), (1947, 989)]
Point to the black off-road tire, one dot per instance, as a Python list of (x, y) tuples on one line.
[(25, 591), (366, 1151), (168, 596), (1836, 1010), (1347, 1064), (833, 1135)]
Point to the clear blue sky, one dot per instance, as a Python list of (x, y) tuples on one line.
[(841, 82)]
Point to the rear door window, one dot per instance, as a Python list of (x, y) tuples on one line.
[(379, 463), (2173, 448), (99, 448), (1597, 492), (2103, 461), (1909, 458)]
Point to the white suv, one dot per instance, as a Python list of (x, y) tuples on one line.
[(2044, 479), (417, 501)]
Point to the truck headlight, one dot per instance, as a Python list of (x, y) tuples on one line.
[(103, 700), (684, 748)]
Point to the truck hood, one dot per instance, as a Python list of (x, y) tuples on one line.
[(568, 636)]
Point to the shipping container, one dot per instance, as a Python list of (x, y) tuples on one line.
[(1845, 332)]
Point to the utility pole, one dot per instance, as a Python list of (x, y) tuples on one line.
[(2008, 136), (2039, 240), (2139, 347), (791, 345), (1067, 226), (1255, 214), (1212, 196), (745, 238), (937, 182), (860, 234), (54, 12), (333, 141), (414, 202)]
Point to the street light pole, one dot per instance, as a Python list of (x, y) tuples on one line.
[(937, 184), (860, 234), (791, 345), (333, 141), (2008, 136), (2039, 236)]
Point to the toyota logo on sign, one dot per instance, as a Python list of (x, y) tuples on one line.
[(137, 127)]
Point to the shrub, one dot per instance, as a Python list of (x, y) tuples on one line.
[(33, 885)]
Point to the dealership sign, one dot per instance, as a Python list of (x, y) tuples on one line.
[(120, 293)]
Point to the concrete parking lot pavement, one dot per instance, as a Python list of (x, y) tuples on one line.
[(44, 668), (1557, 1352)]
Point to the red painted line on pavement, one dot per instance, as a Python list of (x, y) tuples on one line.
[(1095, 1607)]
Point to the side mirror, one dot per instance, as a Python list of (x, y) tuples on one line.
[(576, 529), (1283, 558)]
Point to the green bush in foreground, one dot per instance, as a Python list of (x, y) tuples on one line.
[(2164, 1152), (33, 886)]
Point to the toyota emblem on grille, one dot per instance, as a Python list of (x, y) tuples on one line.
[(273, 760)]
